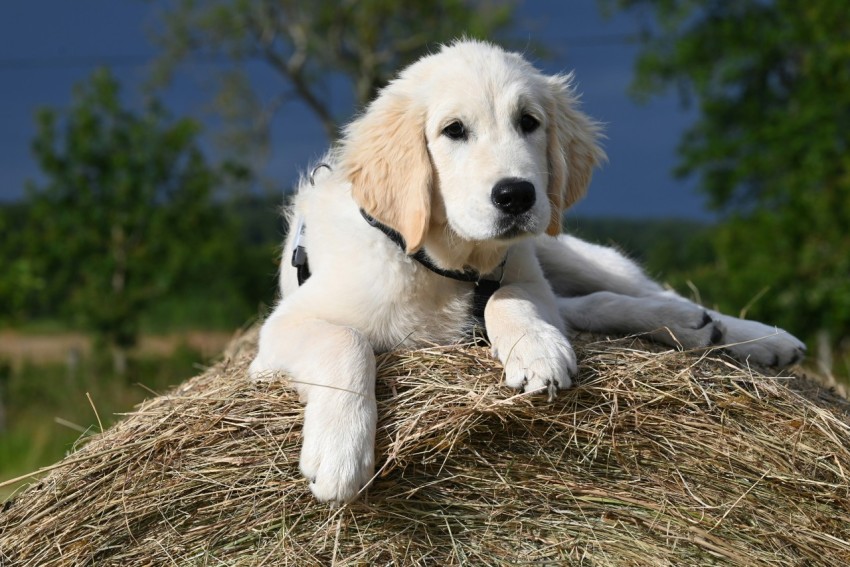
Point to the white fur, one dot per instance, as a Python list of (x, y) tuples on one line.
[(366, 294)]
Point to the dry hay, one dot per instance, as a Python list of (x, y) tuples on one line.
[(656, 458)]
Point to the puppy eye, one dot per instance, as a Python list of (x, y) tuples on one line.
[(528, 123), (456, 130)]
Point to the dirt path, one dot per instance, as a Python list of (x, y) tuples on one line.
[(18, 347)]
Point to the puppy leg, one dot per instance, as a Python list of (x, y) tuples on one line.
[(666, 319), (603, 291), (575, 267), (526, 330), (673, 320), (756, 342), (535, 352), (333, 369), (606, 292)]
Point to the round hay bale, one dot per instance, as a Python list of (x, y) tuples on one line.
[(657, 457)]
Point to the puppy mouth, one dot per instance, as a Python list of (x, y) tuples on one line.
[(510, 226)]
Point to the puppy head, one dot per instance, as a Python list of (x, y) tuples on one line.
[(510, 149), (472, 139), (572, 150), (384, 155)]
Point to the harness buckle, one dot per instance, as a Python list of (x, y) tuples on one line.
[(299, 253)]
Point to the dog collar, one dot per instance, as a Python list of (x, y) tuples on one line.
[(484, 286), (466, 275)]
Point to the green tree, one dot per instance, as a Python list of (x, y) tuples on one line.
[(323, 51), (125, 213), (19, 284), (770, 148)]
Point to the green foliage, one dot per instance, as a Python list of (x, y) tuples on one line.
[(772, 80), (125, 215), (321, 50)]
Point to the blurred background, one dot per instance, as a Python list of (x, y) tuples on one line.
[(146, 148)]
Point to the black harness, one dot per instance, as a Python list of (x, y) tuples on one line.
[(485, 286)]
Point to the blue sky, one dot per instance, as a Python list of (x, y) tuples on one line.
[(46, 46)]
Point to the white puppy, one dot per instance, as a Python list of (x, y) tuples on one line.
[(452, 183)]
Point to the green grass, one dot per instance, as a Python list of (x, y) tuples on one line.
[(49, 408)]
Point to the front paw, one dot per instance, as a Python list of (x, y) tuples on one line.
[(761, 344), (539, 360), (260, 370), (338, 454)]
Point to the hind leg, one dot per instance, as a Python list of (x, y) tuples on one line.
[(603, 291), (663, 319)]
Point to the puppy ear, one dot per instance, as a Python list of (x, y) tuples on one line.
[(572, 149), (385, 157)]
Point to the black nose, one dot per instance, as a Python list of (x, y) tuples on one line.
[(513, 196)]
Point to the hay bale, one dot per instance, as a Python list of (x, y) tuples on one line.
[(657, 457)]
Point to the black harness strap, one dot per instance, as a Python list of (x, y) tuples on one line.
[(299, 255), (299, 261), (484, 287), (484, 290), (467, 275)]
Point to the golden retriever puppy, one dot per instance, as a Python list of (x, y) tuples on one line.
[(440, 210)]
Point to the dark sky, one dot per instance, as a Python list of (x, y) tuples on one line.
[(46, 46)]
